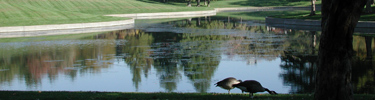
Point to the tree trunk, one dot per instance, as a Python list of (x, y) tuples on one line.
[(198, 3), (313, 9), (333, 77), (208, 3), (198, 21), (368, 41), (189, 3), (188, 21), (368, 6), (313, 42)]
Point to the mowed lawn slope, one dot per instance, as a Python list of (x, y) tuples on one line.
[(41, 12), (37, 12)]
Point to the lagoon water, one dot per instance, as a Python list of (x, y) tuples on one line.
[(176, 55)]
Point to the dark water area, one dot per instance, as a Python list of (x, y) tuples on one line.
[(179, 55)]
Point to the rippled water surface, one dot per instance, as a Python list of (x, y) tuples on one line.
[(182, 55)]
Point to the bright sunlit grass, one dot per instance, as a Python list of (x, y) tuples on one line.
[(38, 12), (306, 15), (260, 15)]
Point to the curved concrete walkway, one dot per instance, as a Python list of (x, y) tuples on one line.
[(63, 26)]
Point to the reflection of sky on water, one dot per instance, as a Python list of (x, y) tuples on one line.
[(191, 60), (118, 77)]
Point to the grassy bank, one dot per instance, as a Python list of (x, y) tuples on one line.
[(299, 15), (260, 15), (41, 12), (18, 95), (260, 3), (306, 15), (38, 12)]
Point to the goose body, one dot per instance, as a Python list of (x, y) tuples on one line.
[(252, 87), (227, 83)]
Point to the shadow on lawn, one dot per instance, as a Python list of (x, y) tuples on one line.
[(262, 3), (174, 2), (169, 2)]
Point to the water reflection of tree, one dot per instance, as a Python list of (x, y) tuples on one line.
[(166, 56), (135, 52), (168, 73), (299, 61), (363, 76), (198, 54), (34, 62), (363, 65), (249, 46), (201, 57), (299, 72), (194, 55), (211, 22)]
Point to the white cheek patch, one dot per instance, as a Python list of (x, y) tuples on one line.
[(236, 82)]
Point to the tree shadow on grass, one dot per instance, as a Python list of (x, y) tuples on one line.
[(173, 2), (151, 1), (170, 2), (260, 15)]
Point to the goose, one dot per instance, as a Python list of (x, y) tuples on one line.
[(227, 83), (252, 86)]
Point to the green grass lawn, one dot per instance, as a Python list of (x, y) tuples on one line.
[(299, 15), (38, 12), (41, 12), (19, 95), (305, 15), (260, 15), (260, 3)]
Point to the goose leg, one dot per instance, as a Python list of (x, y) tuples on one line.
[(229, 93), (251, 95)]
